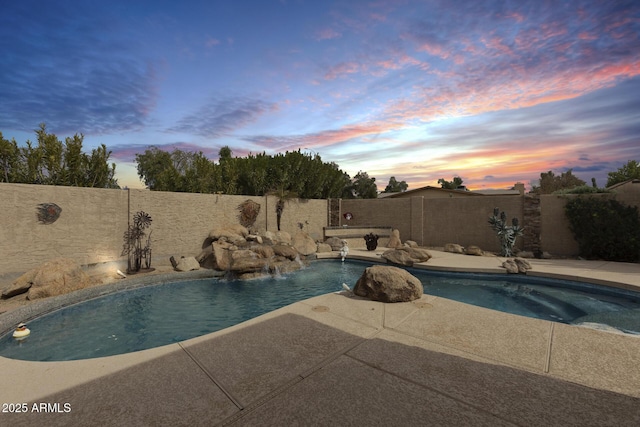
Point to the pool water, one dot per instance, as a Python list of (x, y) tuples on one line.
[(152, 316)]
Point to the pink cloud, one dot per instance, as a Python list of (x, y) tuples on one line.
[(509, 87), (434, 48), (516, 16), (587, 36), (399, 62), (533, 39), (342, 69), (497, 43), (327, 137), (327, 34)]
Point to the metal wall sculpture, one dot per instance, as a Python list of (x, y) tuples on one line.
[(48, 213)]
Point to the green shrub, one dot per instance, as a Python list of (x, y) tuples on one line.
[(605, 228), (582, 189)]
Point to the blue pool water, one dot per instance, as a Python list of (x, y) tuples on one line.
[(152, 316)]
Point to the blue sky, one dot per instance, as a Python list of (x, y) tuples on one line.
[(493, 91)]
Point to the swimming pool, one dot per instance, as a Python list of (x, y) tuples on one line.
[(152, 316)]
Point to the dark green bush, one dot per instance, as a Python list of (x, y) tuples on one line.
[(605, 228), (582, 189)]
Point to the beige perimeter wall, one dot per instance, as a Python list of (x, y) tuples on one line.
[(92, 222), (89, 229), (437, 221), (465, 220)]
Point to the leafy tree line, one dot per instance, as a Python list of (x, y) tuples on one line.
[(53, 162), (292, 174), (396, 187), (630, 170), (450, 185), (567, 182)]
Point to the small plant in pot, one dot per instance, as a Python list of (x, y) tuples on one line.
[(133, 239), (371, 241)]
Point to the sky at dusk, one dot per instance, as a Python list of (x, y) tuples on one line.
[(495, 92)]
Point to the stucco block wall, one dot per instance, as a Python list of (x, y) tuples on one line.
[(555, 235), (393, 213), (465, 220), (436, 221), (93, 221), (181, 222), (310, 213), (89, 229)]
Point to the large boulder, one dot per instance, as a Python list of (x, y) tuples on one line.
[(282, 238), (286, 251), (268, 237), (187, 264), (263, 251), (237, 229), (222, 255), (334, 242), (418, 254), (406, 256), (206, 258), (255, 238), (55, 277), (474, 250), (242, 254), (388, 284), (248, 264), (510, 266), (323, 248), (397, 256), (304, 243), (523, 264), (235, 234), (454, 248), (394, 239), (516, 265)]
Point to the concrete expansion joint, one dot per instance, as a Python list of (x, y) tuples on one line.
[(343, 351), (218, 384), (439, 391), (245, 410), (547, 361)]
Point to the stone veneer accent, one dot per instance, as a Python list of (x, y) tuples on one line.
[(532, 223)]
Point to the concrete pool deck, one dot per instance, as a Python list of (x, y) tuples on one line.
[(339, 360)]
